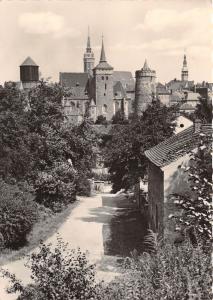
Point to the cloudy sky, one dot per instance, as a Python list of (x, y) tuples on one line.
[(54, 34)]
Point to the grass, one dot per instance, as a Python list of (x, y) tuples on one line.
[(46, 226)]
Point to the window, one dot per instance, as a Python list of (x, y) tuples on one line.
[(106, 77), (104, 108), (104, 94), (105, 86), (102, 77)]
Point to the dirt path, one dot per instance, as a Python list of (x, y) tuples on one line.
[(93, 227)]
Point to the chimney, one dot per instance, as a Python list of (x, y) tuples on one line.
[(197, 125)]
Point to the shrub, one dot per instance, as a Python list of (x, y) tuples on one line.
[(56, 188), (83, 186), (18, 213), (172, 273), (57, 273)]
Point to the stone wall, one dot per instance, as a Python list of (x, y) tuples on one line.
[(156, 198)]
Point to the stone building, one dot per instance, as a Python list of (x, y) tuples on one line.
[(98, 91), (145, 88), (166, 175)]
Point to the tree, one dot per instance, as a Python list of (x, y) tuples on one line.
[(101, 120), (197, 208), (204, 110), (58, 273), (124, 149), (119, 118), (15, 157)]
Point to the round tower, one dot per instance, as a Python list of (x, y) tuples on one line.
[(184, 71), (145, 88), (29, 73), (89, 58)]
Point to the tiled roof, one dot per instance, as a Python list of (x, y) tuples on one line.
[(176, 146), (176, 97), (126, 78), (193, 96), (29, 62), (179, 84), (187, 106), (74, 79), (118, 90), (78, 93), (104, 66)]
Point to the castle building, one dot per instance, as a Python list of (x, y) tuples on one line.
[(29, 74), (98, 91), (145, 88)]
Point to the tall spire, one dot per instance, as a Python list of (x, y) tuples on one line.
[(88, 39), (145, 66), (184, 71), (103, 56)]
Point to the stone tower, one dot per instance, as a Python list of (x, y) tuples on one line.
[(184, 71), (103, 87), (89, 58), (145, 88), (29, 73)]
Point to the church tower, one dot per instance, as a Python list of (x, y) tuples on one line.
[(184, 71), (145, 88), (103, 84), (89, 58)]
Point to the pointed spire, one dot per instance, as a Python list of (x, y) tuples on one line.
[(103, 56), (145, 66), (184, 60), (88, 39)]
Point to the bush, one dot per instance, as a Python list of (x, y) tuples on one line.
[(56, 188), (172, 273), (18, 213), (58, 273), (83, 186)]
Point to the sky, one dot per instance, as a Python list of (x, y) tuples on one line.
[(54, 33)]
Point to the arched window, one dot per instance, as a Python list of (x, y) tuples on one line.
[(104, 108), (105, 86), (102, 77), (72, 106), (106, 77)]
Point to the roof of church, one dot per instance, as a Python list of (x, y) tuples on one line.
[(73, 79), (78, 93), (161, 89), (118, 90), (176, 146), (126, 78), (29, 62)]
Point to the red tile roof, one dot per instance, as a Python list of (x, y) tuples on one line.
[(176, 146)]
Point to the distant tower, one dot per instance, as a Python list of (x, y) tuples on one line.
[(184, 71), (103, 85), (145, 88), (29, 73), (89, 58)]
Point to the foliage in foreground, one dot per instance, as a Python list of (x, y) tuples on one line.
[(57, 273), (173, 273), (197, 208), (18, 213), (170, 273)]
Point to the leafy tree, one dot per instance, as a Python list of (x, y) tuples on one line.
[(15, 157), (119, 118), (101, 120), (124, 149), (197, 208), (58, 274), (204, 110)]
